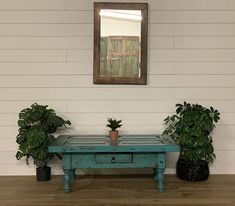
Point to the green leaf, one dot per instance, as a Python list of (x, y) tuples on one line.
[(35, 125), (191, 126)]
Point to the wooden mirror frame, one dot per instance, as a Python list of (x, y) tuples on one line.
[(97, 78)]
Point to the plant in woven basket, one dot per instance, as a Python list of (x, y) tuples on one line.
[(36, 125), (191, 127)]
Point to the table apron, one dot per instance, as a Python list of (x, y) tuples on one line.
[(114, 160)]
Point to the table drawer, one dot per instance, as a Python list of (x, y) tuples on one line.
[(113, 158)]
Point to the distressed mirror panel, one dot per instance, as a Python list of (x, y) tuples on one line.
[(120, 43)]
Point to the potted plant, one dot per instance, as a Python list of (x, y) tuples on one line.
[(36, 125), (113, 124), (191, 127)]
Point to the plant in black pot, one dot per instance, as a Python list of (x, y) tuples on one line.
[(191, 127), (36, 125)]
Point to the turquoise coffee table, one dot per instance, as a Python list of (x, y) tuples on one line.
[(96, 151)]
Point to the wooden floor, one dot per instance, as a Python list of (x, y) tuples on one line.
[(117, 190)]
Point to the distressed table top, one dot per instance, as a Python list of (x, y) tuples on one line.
[(126, 143)]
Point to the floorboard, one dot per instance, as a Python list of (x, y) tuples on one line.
[(117, 190)]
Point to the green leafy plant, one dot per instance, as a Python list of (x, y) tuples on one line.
[(191, 127), (113, 123), (35, 127)]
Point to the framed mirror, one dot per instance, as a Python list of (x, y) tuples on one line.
[(120, 43)]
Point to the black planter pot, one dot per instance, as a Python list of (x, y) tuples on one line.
[(43, 173), (192, 172)]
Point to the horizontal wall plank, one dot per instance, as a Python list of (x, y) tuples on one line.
[(32, 56), (220, 144), (120, 106), (98, 118), (202, 4), (46, 17), (134, 93), (165, 106), (220, 132), (224, 106), (127, 118), (86, 68), (33, 81), (161, 43), (73, 30), (8, 158), (167, 55), (29, 68), (48, 43), (192, 81), (8, 145), (188, 29), (69, 17), (87, 5), (193, 68), (127, 106), (204, 17), (227, 119), (32, 5), (101, 118), (69, 42), (160, 17), (20, 168), (205, 93), (167, 81), (164, 4), (190, 55), (79, 56), (8, 120), (33, 94), (205, 42), (17, 106), (224, 131), (46, 30), (8, 132), (224, 163), (45, 94)]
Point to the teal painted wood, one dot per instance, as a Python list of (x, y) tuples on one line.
[(115, 160), (96, 151), (98, 143)]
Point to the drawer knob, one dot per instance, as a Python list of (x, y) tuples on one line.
[(113, 160)]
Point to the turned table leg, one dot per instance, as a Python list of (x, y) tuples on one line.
[(160, 178), (73, 174), (67, 180), (67, 167), (159, 171)]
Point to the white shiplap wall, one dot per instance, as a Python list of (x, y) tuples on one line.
[(46, 57)]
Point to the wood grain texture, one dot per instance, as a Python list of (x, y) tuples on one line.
[(117, 190)]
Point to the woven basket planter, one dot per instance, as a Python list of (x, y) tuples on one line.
[(192, 172)]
